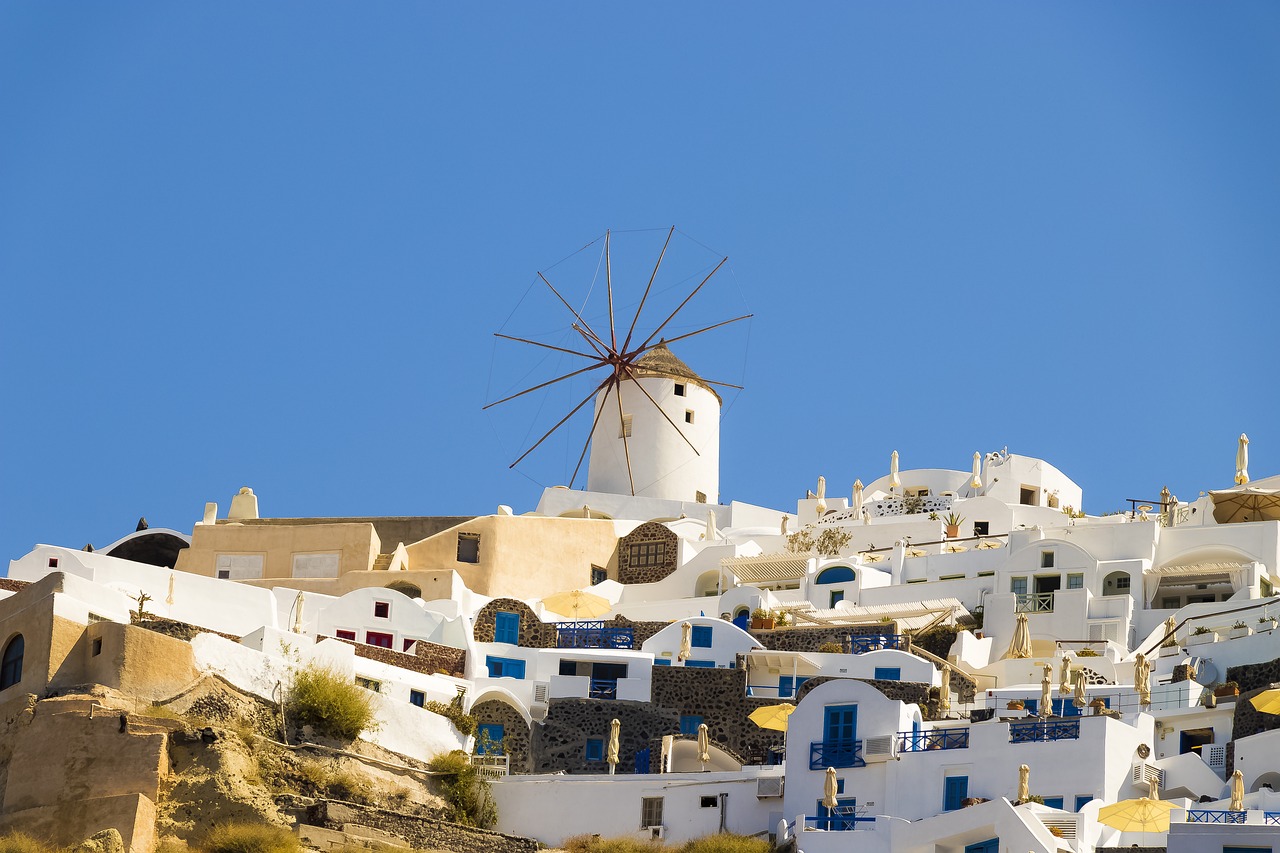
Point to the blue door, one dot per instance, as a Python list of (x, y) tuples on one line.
[(489, 739), (842, 818), (743, 619), (1053, 802), (642, 760), (954, 791), (991, 845)]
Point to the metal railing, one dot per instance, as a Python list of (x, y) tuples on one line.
[(1271, 818), (1034, 602), (935, 739), (1040, 731), (840, 753), (841, 819), (875, 642), (593, 635), (602, 688), (1215, 816)]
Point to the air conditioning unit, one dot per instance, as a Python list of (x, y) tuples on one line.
[(880, 748), (769, 786)]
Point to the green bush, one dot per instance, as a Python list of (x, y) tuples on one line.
[(466, 794), (19, 842), (329, 702), (452, 711), (726, 844), (250, 838)]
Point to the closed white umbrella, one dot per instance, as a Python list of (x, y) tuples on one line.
[(686, 641), (821, 506), (668, 742), (1242, 460), (297, 615), (857, 496), (1079, 699), (1046, 691), (704, 745), (944, 691), (615, 729), (1020, 645), (894, 482), (830, 789), (976, 481), (1142, 680), (711, 534), (1237, 792), (1064, 675), (1024, 783)]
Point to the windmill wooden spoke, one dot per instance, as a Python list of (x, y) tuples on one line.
[(609, 383), (608, 285), (600, 353), (584, 323), (544, 385), (721, 384), (660, 411), (622, 428), (636, 319), (546, 346), (669, 341), (679, 308), (561, 422)]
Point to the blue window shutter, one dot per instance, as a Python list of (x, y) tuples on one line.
[(506, 628), (700, 636), (991, 845), (504, 667), (495, 732), (888, 673), (417, 697), (689, 725), (595, 749), (840, 724), (954, 791), (661, 662), (1081, 800), (1053, 802), (709, 664)]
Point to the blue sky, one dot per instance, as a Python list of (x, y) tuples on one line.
[(268, 244)]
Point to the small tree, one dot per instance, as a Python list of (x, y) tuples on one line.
[(329, 702), (467, 795)]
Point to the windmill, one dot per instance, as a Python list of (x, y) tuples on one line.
[(620, 363)]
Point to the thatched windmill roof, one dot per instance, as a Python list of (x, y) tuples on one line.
[(661, 361)]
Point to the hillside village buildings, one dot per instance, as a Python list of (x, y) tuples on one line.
[(974, 663)]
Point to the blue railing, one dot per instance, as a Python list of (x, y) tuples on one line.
[(593, 635), (875, 642), (840, 753), (1044, 731), (836, 822), (603, 688), (935, 739), (1207, 816), (1271, 818)]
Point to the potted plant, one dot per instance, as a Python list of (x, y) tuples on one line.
[(1201, 636), (1016, 705), (1239, 629), (953, 522), (1226, 690), (1267, 623), (762, 619)]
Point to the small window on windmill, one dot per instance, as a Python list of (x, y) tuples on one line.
[(625, 430), (468, 547), (688, 416), (679, 389)]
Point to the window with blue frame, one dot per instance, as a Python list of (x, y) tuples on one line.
[(841, 818), (788, 685), (1053, 802), (709, 664), (837, 596), (991, 845), (840, 724), (417, 697), (1237, 849), (504, 667), (700, 636), (489, 738), (595, 749), (835, 574), (661, 662), (506, 628), (1081, 800), (888, 673), (955, 789), (689, 724)]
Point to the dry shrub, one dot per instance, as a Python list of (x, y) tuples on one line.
[(330, 703), (250, 838), (20, 842)]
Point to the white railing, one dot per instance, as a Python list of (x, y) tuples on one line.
[(491, 768)]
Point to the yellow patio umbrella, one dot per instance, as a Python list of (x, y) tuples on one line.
[(1237, 792), (870, 558), (916, 552), (1138, 815), (989, 544), (577, 604), (955, 549), (1024, 783), (704, 745), (1267, 702), (1242, 460), (894, 482), (772, 716), (976, 480), (1064, 675), (1245, 503), (821, 506), (686, 641), (944, 691), (615, 729), (830, 789), (1020, 645)]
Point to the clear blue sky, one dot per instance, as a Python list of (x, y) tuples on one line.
[(267, 244)]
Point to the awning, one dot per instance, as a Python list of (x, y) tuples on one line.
[(783, 661), (1234, 572), (766, 568)]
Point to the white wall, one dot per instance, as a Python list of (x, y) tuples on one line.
[(727, 642)]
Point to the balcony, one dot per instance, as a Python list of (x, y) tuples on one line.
[(875, 642), (841, 819), (603, 688), (1217, 816), (1040, 731), (1034, 602), (841, 753), (593, 635), (935, 739)]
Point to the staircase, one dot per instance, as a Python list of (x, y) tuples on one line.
[(382, 562)]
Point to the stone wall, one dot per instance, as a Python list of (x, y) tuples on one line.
[(422, 833), (719, 696), (534, 633), (442, 658), (560, 741), (11, 585), (174, 628), (650, 531), (515, 731), (803, 639), (904, 691), (1252, 676), (415, 663)]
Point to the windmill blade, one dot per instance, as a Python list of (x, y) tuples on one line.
[(543, 385), (636, 319), (660, 411), (561, 423), (609, 383), (546, 346), (608, 284), (584, 323), (600, 353), (622, 428), (680, 307)]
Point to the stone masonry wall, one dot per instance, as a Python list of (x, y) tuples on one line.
[(534, 633), (560, 741), (415, 663), (904, 691), (719, 696), (515, 731), (650, 531), (441, 658), (422, 833), (800, 639)]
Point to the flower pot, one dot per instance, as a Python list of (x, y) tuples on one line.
[(1226, 692), (1170, 651), (1236, 633), (1015, 706), (1268, 625), (762, 624), (953, 531), (1202, 639)]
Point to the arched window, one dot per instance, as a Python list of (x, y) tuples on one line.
[(11, 664), (1116, 583), (835, 574)]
